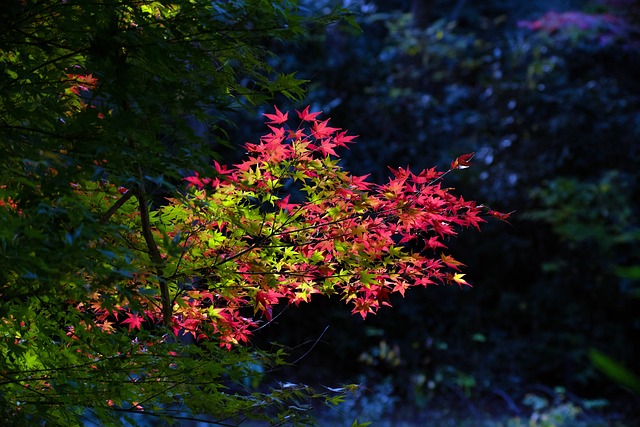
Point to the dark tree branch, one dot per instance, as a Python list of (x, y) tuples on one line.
[(154, 253), (114, 208)]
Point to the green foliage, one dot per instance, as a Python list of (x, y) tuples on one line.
[(596, 210), (615, 370), (104, 106), (595, 216)]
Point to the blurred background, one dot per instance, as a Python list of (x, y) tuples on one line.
[(547, 93)]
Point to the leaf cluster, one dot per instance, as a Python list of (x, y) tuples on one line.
[(140, 324)]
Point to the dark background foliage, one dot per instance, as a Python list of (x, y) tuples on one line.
[(547, 94)]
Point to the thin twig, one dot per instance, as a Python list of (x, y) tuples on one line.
[(312, 347)]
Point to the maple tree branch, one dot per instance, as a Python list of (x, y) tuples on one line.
[(154, 253), (117, 205), (174, 417)]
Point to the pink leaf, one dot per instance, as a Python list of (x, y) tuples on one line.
[(278, 117)]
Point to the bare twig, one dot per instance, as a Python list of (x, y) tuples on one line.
[(312, 347)]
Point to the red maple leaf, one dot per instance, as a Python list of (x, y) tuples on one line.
[(196, 181), (462, 162), (501, 216), (278, 117), (264, 301), (451, 262), (362, 307), (221, 169), (285, 205), (359, 182), (276, 137), (296, 135), (321, 130), (306, 116), (341, 139), (134, 320), (326, 148)]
